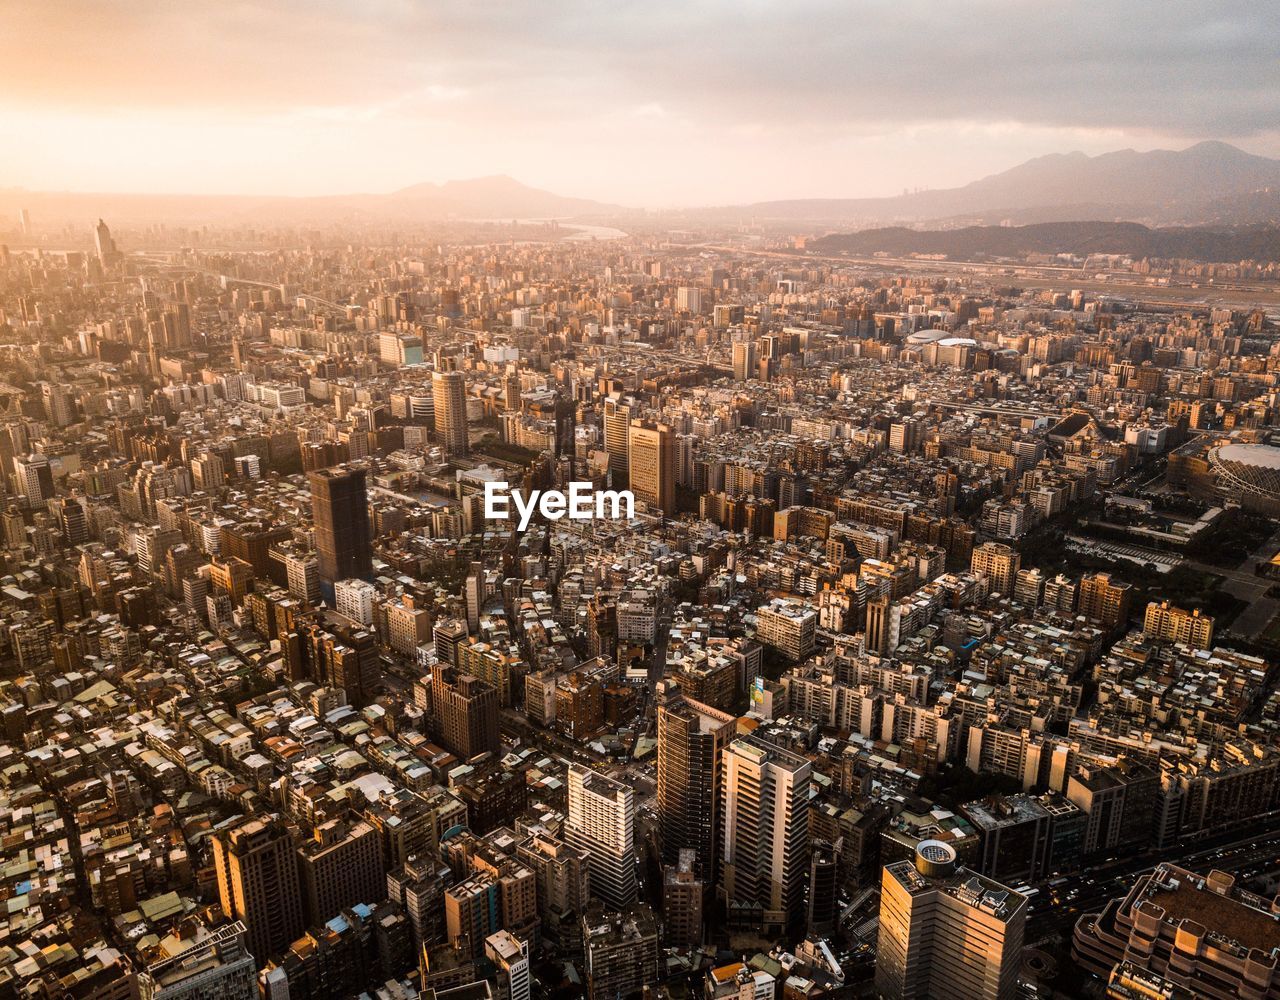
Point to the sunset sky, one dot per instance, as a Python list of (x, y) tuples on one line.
[(654, 103)]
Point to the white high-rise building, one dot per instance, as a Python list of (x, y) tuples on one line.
[(354, 599), (766, 835), (511, 957), (602, 821)]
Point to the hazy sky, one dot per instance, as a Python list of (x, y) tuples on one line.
[(639, 102)]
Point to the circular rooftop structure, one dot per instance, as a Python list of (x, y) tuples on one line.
[(1249, 473), (935, 858)]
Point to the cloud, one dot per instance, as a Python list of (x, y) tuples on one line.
[(775, 81)]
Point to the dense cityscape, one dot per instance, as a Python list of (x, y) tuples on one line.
[(934, 658)]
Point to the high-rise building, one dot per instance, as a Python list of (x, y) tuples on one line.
[(683, 896), (617, 429), (466, 710), (340, 510), (59, 403), (766, 835), (622, 951), (691, 738), (449, 398), (651, 464), (258, 884), (1104, 600), (105, 244), (999, 564), (1166, 623), (510, 957), (947, 932), (744, 360), (789, 626), (339, 867), (196, 963), (34, 478), (601, 821)]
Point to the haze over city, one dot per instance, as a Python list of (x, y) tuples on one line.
[(654, 501), (645, 105)]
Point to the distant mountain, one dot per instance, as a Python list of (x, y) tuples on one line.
[(975, 242), (483, 198), (1157, 186)]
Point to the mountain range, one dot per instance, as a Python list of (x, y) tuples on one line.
[(1208, 183)]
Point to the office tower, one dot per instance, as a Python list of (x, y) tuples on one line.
[(1165, 623), (258, 884), (339, 867), (340, 511), (510, 957), (474, 593), (59, 404), (744, 360), (511, 388), (1105, 601), (622, 951), (822, 903), (691, 738), (601, 821), (72, 521), (766, 835), (208, 471), (449, 398), (106, 246), (947, 932), (999, 564), (617, 429), (34, 478), (651, 464), (881, 634), (905, 436), (689, 299), (466, 711), (683, 894), (446, 636), (195, 963)]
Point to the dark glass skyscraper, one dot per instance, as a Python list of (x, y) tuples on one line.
[(340, 509)]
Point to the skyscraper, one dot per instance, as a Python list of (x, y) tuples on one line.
[(340, 510), (601, 821), (194, 963), (946, 932), (744, 360), (766, 835), (691, 737), (106, 246), (651, 464), (258, 884), (35, 478), (617, 426), (449, 397)]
